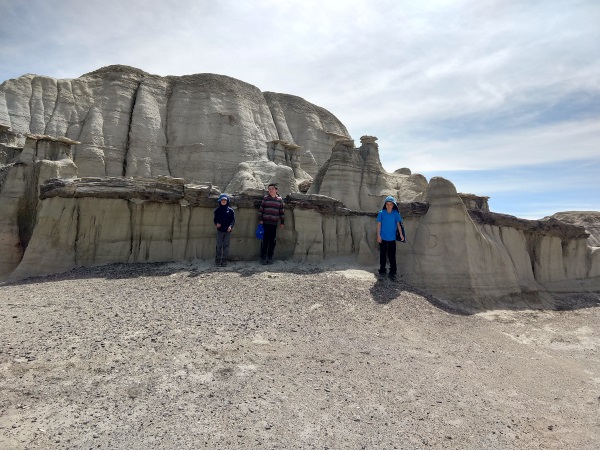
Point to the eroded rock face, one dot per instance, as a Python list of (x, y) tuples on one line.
[(472, 201), (122, 166), (471, 258), (311, 127), (590, 220), (357, 177), (24, 170), (197, 127), (481, 256), (95, 221)]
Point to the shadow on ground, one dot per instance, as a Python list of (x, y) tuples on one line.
[(383, 291)]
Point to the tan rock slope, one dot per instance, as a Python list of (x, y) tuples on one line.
[(122, 166), (198, 127)]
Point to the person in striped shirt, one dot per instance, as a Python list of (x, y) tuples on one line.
[(270, 214)]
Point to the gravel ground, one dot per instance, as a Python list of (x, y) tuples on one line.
[(181, 356)]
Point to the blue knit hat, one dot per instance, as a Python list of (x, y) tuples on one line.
[(223, 196)]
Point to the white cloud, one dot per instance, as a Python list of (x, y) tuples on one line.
[(443, 84), (529, 146)]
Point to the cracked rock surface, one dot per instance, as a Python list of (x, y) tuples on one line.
[(189, 355)]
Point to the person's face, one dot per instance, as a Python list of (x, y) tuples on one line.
[(272, 191), (223, 201), (389, 206)]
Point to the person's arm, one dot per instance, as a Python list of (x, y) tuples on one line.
[(232, 221), (282, 213), (379, 232), (261, 211), (399, 225)]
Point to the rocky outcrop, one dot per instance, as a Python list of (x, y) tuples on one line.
[(472, 258), (477, 257), (23, 171), (198, 127), (122, 166), (95, 221), (590, 220), (475, 202), (311, 127), (357, 177), (283, 167)]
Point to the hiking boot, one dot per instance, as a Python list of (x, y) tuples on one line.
[(224, 263), (217, 262), (263, 261), (382, 271), (392, 276), (270, 261)]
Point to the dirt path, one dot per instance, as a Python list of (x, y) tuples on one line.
[(190, 356)]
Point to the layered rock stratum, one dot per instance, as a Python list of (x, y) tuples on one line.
[(120, 166)]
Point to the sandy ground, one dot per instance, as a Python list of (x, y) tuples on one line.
[(191, 356)]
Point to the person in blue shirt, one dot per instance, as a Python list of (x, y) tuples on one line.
[(388, 221)]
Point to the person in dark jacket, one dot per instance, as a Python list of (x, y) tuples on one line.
[(270, 213), (388, 221), (224, 221)]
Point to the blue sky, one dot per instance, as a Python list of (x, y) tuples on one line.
[(500, 97)]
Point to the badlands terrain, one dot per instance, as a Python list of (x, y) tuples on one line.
[(186, 355)]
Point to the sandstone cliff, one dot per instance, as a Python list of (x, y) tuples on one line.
[(198, 127), (122, 166), (471, 258)]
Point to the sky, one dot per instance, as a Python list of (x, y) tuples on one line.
[(500, 97)]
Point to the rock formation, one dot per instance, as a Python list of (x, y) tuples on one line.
[(476, 257), (590, 220), (198, 127), (122, 166), (357, 177)]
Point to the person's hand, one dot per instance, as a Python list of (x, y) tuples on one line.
[(281, 226), (260, 221), (379, 239), (218, 225), (229, 230)]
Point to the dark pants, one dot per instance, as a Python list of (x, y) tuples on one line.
[(223, 239), (387, 250), (268, 243)]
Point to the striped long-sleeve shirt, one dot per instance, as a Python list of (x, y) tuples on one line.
[(271, 210)]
